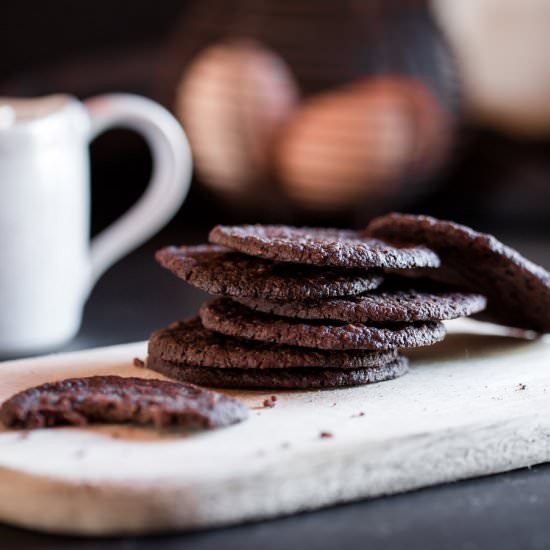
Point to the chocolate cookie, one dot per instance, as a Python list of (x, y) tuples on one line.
[(113, 399), (218, 270), (188, 342), (517, 290), (381, 306), (323, 247), (230, 318), (290, 379)]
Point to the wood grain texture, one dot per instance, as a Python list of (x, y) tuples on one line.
[(474, 405)]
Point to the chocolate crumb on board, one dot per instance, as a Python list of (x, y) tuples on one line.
[(324, 435), (522, 386), (268, 403), (357, 415), (139, 363)]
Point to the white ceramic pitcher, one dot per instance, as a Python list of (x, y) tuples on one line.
[(47, 264)]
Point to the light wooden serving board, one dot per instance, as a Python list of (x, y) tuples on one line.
[(477, 404)]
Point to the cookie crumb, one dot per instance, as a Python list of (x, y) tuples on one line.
[(324, 435), (268, 403), (273, 398), (521, 387), (361, 413), (139, 363)]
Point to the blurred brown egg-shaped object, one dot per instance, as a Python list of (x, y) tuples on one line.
[(326, 43), (362, 142), (232, 101)]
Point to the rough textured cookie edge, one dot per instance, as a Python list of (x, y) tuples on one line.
[(331, 281), (353, 252), (166, 344), (398, 309), (282, 379), (230, 318), (464, 263)]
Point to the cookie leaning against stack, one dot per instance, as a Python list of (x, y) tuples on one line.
[(301, 308)]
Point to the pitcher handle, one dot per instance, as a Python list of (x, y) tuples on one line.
[(170, 180)]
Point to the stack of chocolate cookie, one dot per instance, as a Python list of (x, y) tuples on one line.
[(303, 308)]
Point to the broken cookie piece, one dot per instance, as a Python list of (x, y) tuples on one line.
[(117, 400)]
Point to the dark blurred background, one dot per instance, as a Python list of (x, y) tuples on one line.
[(494, 179)]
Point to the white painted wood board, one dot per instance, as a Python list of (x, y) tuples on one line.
[(477, 404)]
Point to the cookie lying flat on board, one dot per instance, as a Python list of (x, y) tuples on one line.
[(218, 270), (230, 318), (517, 290), (381, 306), (291, 379), (113, 399), (188, 342), (322, 247)]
